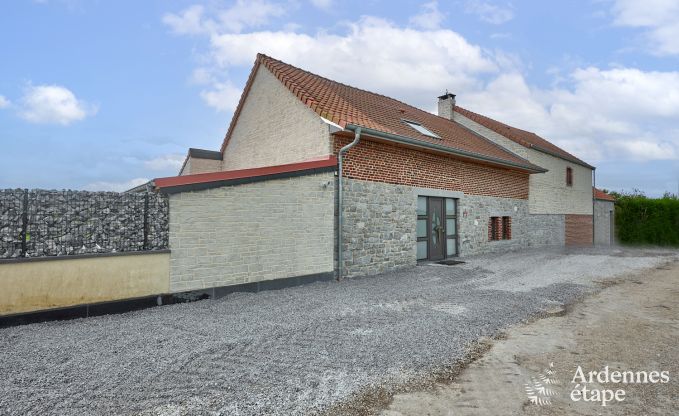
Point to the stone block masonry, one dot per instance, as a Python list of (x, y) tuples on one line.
[(253, 232), (527, 230), (381, 197), (38, 223), (379, 227)]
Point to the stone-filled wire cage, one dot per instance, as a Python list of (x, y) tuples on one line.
[(39, 223)]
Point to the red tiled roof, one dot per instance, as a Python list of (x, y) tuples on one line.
[(346, 105), (599, 194), (522, 137), (235, 175)]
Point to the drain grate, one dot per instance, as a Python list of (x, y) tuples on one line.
[(450, 262)]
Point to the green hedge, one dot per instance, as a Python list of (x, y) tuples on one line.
[(645, 221)]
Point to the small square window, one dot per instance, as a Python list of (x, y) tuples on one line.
[(420, 128)]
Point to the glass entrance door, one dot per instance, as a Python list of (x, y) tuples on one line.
[(436, 228)]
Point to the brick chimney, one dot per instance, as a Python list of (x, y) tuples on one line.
[(447, 105)]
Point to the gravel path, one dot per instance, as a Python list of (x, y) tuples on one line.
[(291, 351)]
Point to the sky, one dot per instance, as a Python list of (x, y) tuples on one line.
[(103, 95)]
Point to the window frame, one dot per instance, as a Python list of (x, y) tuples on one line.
[(453, 217), (569, 176), (424, 217), (418, 127), (446, 216), (506, 226), (494, 223)]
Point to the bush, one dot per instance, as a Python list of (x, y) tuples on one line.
[(647, 221)]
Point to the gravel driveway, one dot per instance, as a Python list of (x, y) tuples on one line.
[(290, 351)]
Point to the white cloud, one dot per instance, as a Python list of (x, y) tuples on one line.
[(430, 18), (188, 22), (201, 76), (4, 102), (489, 13), (222, 97), (595, 113), (322, 4), (243, 14), (115, 186), (660, 18), (373, 54), (53, 104), (165, 162), (646, 150), (397, 57), (616, 113)]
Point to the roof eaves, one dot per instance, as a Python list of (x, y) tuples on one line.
[(560, 156), (484, 120), (494, 144), (199, 181), (205, 154), (446, 149)]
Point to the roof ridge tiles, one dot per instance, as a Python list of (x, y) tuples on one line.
[(346, 105)]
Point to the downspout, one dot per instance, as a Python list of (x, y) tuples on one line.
[(340, 215), (593, 206)]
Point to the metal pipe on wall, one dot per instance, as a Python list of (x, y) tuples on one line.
[(340, 215)]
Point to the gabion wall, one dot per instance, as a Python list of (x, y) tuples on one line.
[(37, 223)]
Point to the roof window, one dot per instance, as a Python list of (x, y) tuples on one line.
[(420, 128)]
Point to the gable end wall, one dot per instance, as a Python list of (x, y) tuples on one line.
[(274, 128), (548, 192)]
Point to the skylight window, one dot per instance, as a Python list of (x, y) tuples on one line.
[(417, 126)]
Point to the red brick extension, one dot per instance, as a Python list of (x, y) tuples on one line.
[(382, 162), (579, 230)]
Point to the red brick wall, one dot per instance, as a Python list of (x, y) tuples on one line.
[(578, 230), (382, 162)]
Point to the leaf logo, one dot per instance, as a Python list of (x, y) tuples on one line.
[(538, 390)]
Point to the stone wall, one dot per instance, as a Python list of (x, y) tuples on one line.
[(528, 230), (252, 232), (379, 227), (79, 222), (603, 210)]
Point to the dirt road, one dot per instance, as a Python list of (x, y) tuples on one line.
[(632, 325)]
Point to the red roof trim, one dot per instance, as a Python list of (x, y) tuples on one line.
[(599, 194), (227, 175)]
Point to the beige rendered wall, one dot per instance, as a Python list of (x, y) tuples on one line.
[(252, 232), (195, 165), (548, 193), (37, 285), (604, 214), (274, 128)]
